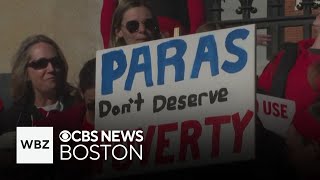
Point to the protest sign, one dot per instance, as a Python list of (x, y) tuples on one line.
[(193, 96), (275, 114)]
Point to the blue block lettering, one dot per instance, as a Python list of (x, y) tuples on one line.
[(176, 60), (211, 55), (109, 74), (135, 67), (234, 67)]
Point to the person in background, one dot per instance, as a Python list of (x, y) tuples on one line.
[(133, 22), (187, 15), (87, 87), (86, 108), (297, 86), (301, 86), (261, 39)]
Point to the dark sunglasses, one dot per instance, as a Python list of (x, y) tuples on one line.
[(133, 26), (91, 106), (43, 63)]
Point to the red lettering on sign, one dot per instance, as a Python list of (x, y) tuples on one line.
[(191, 140), (163, 143), (146, 144), (190, 134), (284, 111), (216, 126), (275, 109), (239, 126)]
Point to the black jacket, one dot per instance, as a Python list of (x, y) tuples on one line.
[(20, 113)]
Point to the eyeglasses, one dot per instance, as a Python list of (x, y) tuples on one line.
[(91, 106), (43, 63), (133, 26)]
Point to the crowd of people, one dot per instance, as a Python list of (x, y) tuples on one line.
[(43, 97)]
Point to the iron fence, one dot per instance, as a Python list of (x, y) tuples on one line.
[(275, 22)]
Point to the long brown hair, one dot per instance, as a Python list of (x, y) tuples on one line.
[(20, 84)]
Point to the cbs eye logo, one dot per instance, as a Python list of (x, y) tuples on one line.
[(65, 136)]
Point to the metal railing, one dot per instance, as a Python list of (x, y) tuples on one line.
[(275, 22)]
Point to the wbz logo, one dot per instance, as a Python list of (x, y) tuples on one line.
[(34, 145), (37, 144)]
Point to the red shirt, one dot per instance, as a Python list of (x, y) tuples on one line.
[(68, 119), (298, 88), (307, 125), (94, 166), (86, 125)]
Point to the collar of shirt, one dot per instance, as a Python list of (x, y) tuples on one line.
[(58, 106)]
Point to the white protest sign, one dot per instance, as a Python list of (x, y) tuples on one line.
[(276, 114), (193, 96)]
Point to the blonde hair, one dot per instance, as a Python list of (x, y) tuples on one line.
[(20, 83), (124, 6)]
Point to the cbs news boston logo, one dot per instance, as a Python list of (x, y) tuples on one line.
[(34, 145)]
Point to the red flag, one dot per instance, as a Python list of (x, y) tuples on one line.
[(107, 10)]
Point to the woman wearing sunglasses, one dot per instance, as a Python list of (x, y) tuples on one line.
[(39, 77), (133, 22), (40, 92), (188, 15)]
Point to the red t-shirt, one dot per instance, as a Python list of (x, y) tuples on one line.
[(298, 87)]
